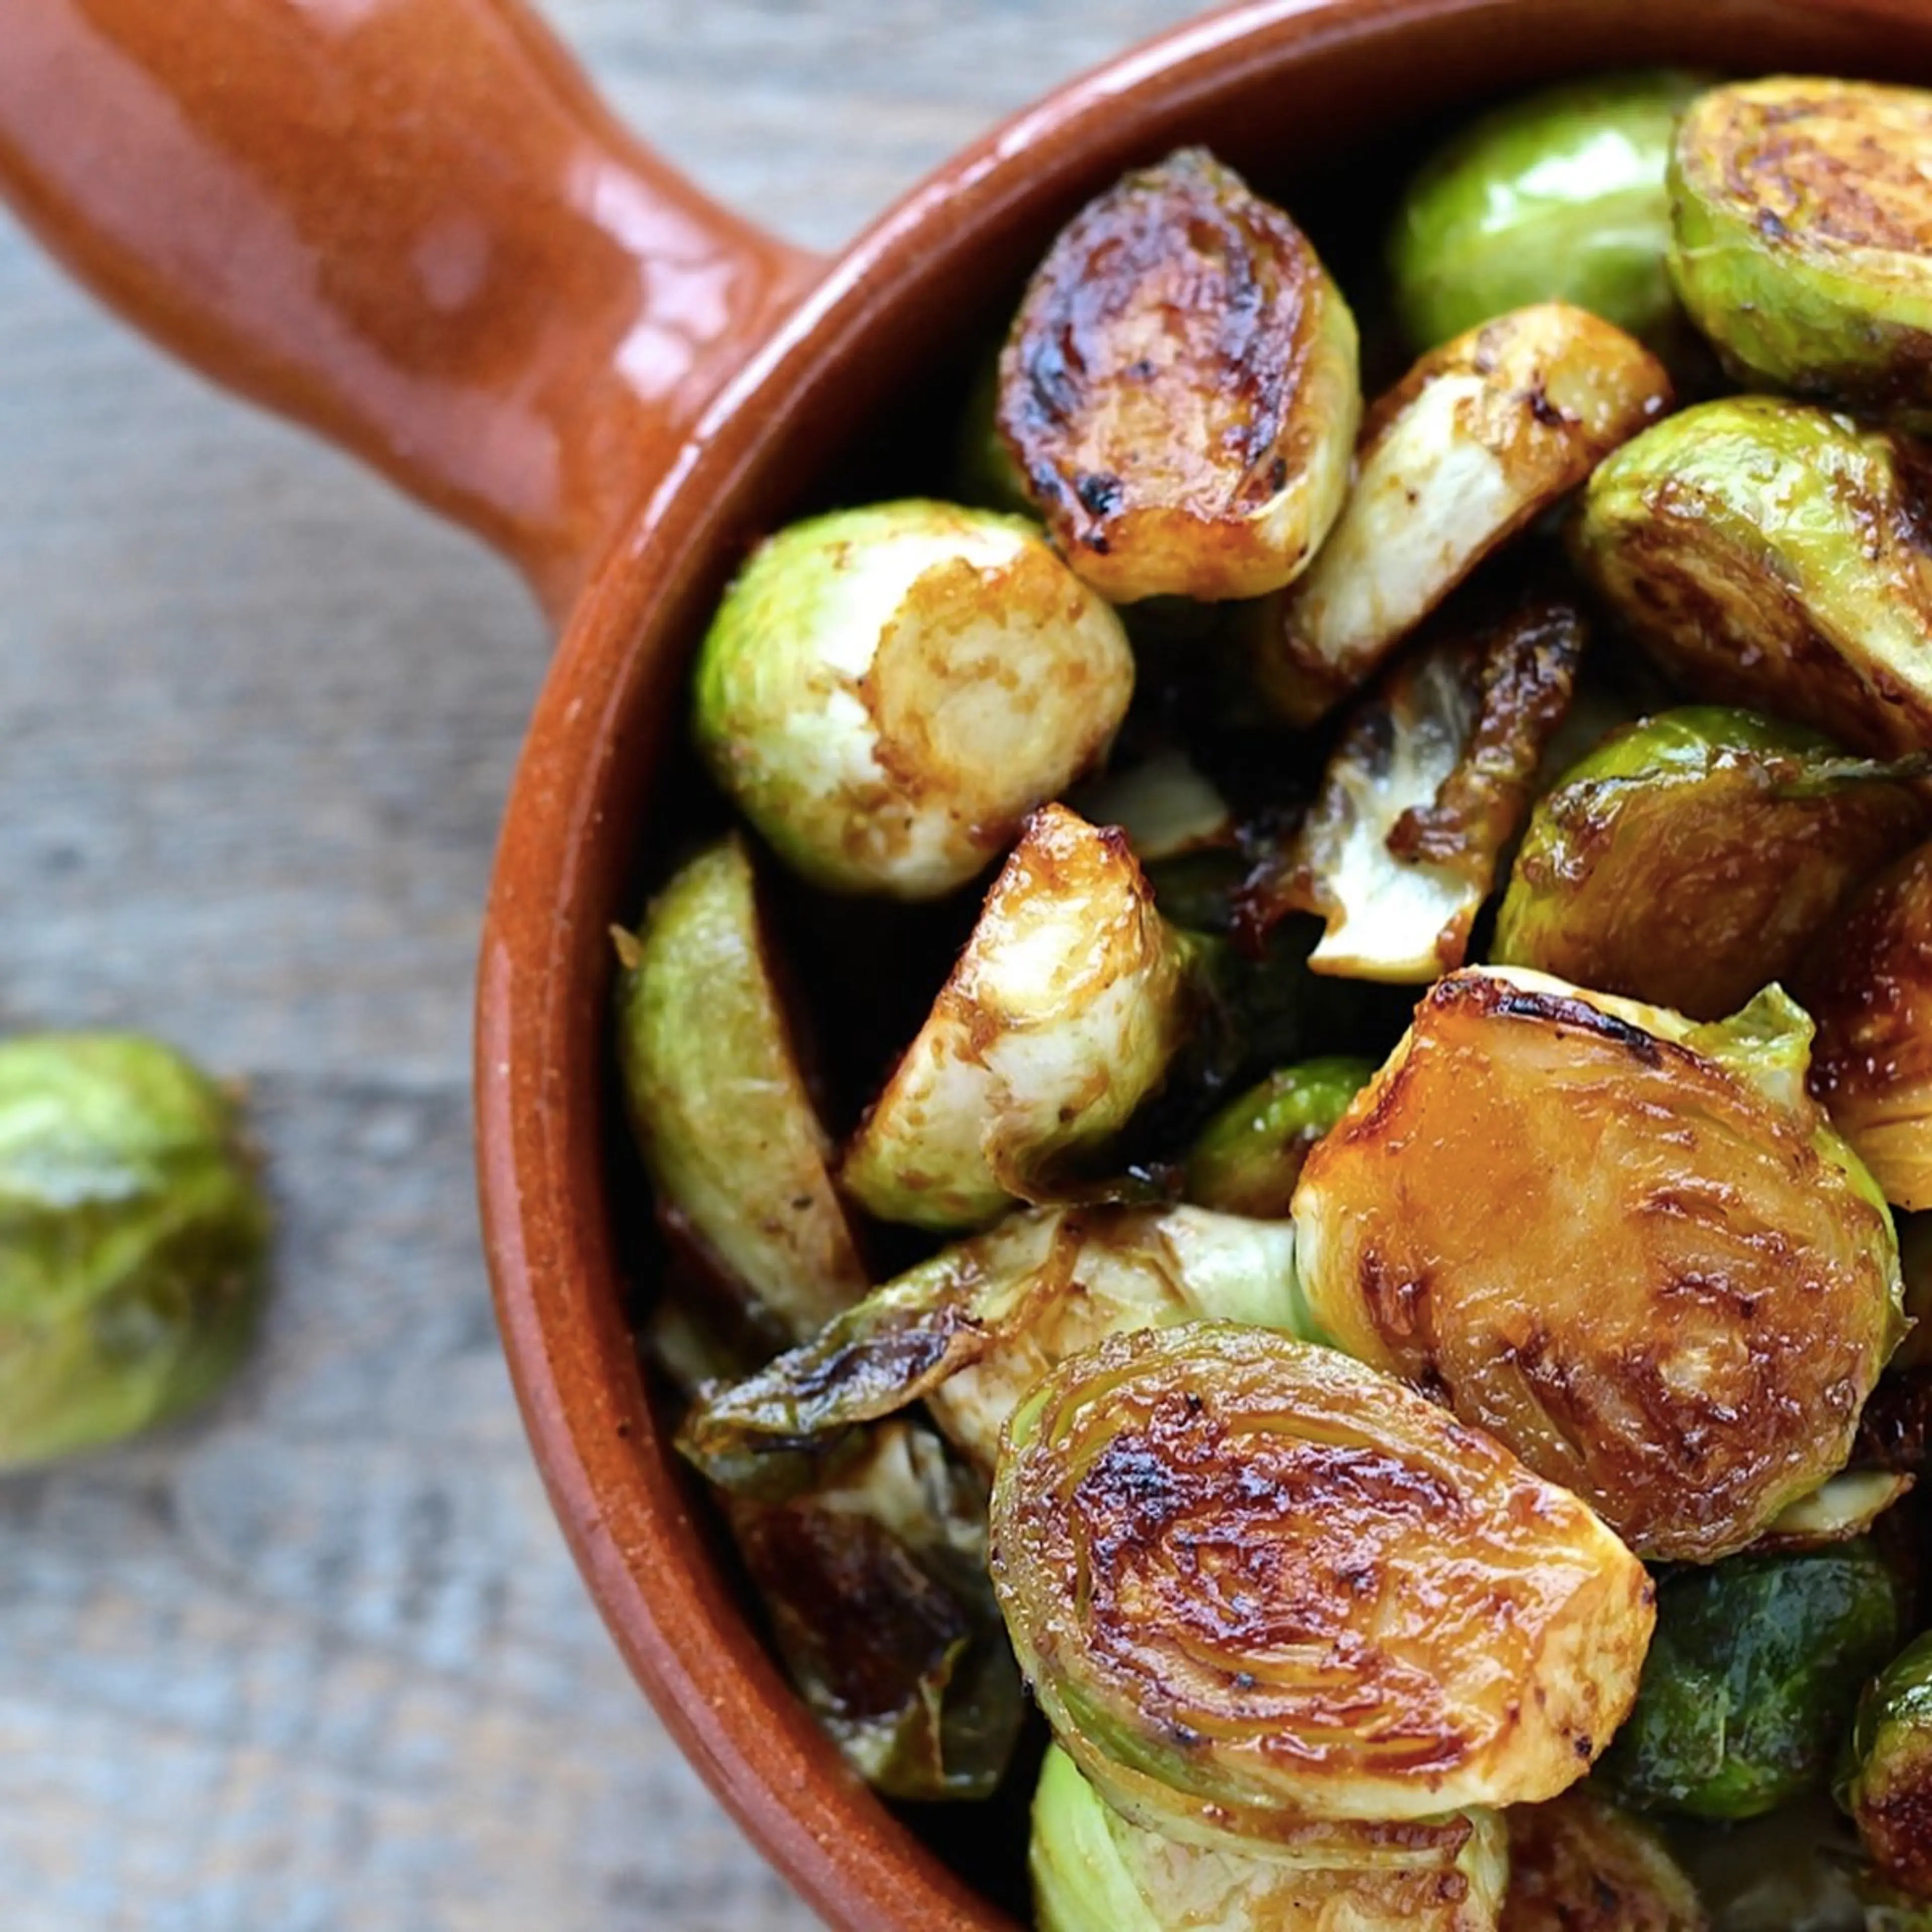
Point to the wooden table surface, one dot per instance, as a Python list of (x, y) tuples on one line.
[(318, 1662)]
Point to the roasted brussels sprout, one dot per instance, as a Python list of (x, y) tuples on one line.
[(1695, 858), (1777, 557), (1249, 1157), (1844, 1507), (971, 1329), (1179, 388), (1800, 209), (1885, 1780), (1480, 436), (886, 693), (874, 1586), (1254, 1584), (1060, 1018), (1751, 1679), (1094, 1871), (1428, 785), (132, 1234), (728, 1134), (1579, 1864), (1630, 1247), (1870, 988), (1558, 196), (1164, 805)]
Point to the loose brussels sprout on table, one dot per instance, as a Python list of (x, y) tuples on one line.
[(1800, 209), (1558, 196), (1777, 557), (1180, 389), (133, 1236), (1329, 1422), (1697, 856), (1480, 437), (1551, 1207)]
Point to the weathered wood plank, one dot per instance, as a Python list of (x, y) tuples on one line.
[(318, 1661)]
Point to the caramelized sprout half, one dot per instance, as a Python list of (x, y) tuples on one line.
[(1061, 1017), (1777, 557), (1428, 783), (1871, 989), (1579, 1864), (1696, 857), (1885, 1780), (1179, 388), (1482, 435), (1094, 1871), (1630, 1247), (1256, 1586), (1801, 209), (728, 1134), (886, 693)]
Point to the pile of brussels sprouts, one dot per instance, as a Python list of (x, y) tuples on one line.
[(1373, 1294)]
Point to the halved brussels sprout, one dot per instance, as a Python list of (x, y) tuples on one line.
[(919, 1692), (1886, 1781), (1254, 1584), (133, 1232), (1695, 858), (1838, 1510), (1164, 805), (1249, 1157), (1480, 436), (1801, 208), (1059, 1018), (1094, 1871), (1558, 196), (886, 693), (971, 1329), (1751, 1677), (1777, 557), (1179, 388), (729, 1136), (1428, 783), (1629, 1246), (1871, 987), (1579, 1864)]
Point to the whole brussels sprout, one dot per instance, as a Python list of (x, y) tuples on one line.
[(1094, 1871), (1061, 1016), (1695, 858), (1480, 438), (1249, 1157), (1774, 556), (1179, 388), (972, 1329), (1752, 1675), (132, 1234), (1800, 208), (1551, 1207), (1871, 986), (886, 693), (1254, 1584), (1579, 1864), (1557, 196), (733, 1146), (1429, 782), (1885, 1780)]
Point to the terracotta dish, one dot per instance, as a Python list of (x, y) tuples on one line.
[(410, 224)]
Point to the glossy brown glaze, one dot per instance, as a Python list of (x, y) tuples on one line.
[(408, 224), (1277, 86)]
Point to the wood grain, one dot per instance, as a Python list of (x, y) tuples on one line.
[(317, 1660)]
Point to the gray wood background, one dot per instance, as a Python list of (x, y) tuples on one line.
[(318, 1662)]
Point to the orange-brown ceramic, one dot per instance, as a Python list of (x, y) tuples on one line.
[(409, 223)]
